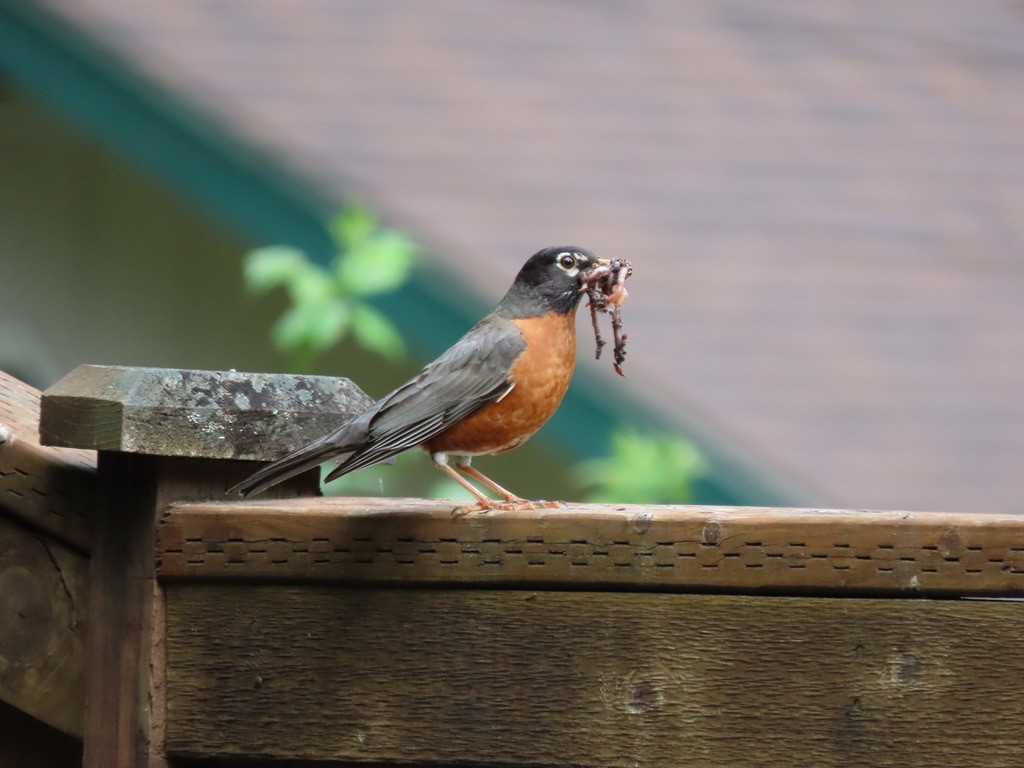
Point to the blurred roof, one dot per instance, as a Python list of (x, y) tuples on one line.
[(824, 201)]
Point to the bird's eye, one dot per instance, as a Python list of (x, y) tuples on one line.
[(566, 261)]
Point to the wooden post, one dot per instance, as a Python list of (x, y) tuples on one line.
[(162, 436)]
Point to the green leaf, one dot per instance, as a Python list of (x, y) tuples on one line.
[(352, 227), (376, 333), (311, 327), (289, 333), (334, 320), (312, 286), (643, 469), (378, 265), (324, 302), (266, 268)]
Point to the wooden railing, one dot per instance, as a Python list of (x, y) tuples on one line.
[(388, 631)]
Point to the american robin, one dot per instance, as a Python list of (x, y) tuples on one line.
[(487, 394)]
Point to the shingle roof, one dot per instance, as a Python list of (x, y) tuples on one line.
[(824, 201)]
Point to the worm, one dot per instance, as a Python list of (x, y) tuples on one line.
[(606, 292)]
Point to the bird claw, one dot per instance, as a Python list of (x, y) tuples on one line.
[(506, 505)]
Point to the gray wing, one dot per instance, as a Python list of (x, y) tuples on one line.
[(474, 372)]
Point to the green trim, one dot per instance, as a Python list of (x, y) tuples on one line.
[(90, 88), (100, 95)]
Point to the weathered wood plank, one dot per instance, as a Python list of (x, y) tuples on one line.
[(210, 414), (684, 548), (43, 596), (50, 488), (605, 679)]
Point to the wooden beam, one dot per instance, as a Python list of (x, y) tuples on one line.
[(52, 489), (43, 598), (590, 545), (509, 677)]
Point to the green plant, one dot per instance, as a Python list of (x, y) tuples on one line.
[(327, 303), (643, 468)]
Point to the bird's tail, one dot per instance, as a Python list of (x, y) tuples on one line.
[(293, 464)]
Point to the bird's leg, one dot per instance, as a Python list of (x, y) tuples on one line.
[(465, 467), (509, 499), (441, 462)]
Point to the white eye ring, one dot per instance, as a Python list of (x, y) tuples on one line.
[(567, 262)]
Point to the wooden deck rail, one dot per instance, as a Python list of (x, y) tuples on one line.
[(385, 631), (682, 548)]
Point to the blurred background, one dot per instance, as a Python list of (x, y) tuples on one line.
[(823, 201)]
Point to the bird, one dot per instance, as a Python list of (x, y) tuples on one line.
[(487, 394)]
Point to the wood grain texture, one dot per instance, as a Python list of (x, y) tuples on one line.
[(125, 719), (665, 547), (512, 677), (53, 489), (124, 640), (43, 597), (209, 414)]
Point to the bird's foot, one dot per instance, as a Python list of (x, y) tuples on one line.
[(514, 504)]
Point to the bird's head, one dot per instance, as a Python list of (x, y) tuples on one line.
[(552, 280)]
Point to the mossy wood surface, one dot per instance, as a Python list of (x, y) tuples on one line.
[(208, 414)]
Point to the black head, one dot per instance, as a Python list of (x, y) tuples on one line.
[(550, 281)]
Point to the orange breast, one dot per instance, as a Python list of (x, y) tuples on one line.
[(541, 376)]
